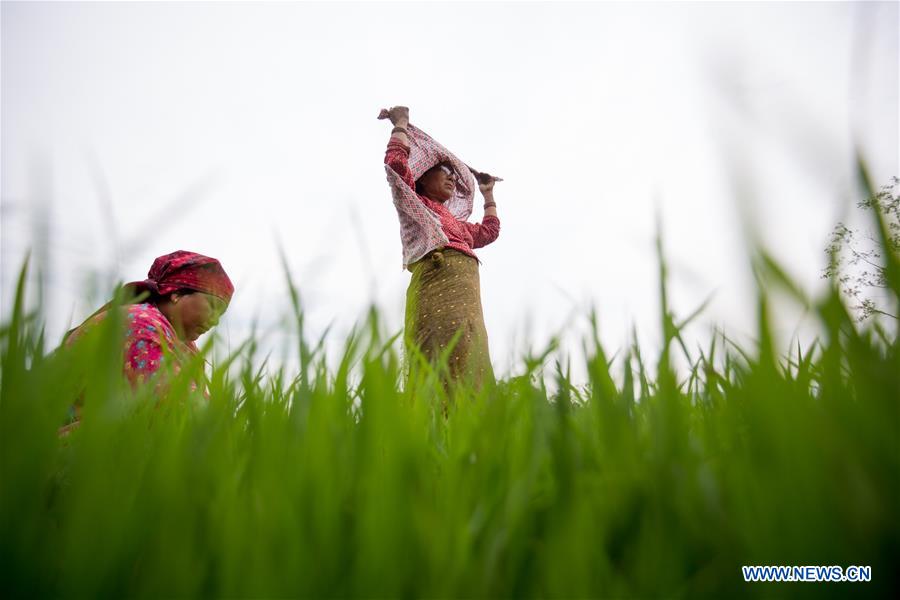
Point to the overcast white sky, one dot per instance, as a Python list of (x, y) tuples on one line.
[(225, 127)]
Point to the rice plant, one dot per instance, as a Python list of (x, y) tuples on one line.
[(356, 482)]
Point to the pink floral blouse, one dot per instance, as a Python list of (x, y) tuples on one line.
[(147, 334)]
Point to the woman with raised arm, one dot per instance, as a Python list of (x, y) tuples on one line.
[(433, 193)]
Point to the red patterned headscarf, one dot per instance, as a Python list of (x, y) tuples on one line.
[(186, 270)]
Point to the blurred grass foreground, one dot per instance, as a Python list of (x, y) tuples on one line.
[(349, 483)]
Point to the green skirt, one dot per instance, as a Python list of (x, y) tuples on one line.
[(443, 307)]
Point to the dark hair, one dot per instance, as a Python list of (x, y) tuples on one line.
[(157, 299)]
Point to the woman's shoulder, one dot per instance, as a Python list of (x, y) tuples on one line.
[(142, 311), (146, 318), (142, 324)]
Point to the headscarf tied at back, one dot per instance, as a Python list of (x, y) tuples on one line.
[(185, 270), (179, 270), (420, 229)]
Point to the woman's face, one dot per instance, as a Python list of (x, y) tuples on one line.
[(439, 183), (195, 314)]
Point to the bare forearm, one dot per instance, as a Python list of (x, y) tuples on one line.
[(490, 206), (401, 135)]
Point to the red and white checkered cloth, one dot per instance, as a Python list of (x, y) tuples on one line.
[(420, 228)]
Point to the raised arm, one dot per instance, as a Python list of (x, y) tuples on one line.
[(485, 232), (397, 154), (489, 229)]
